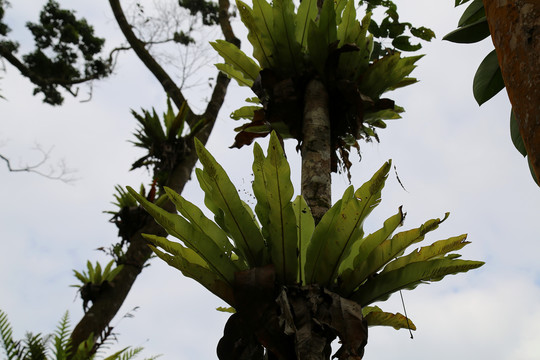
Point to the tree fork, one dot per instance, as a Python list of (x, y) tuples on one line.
[(515, 31), (316, 150)]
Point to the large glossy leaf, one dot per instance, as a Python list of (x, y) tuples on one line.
[(470, 33), (349, 278), (379, 288), (190, 235), (224, 201), (307, 12), (232, 73), (321, 235), (237, 59), (274, 190), (474, 12), (262, 47), (436, 250), (488, 80), (517, 140), (287, 51), (305, 225), (317, 47), (192, 265), (386, 251), (264, 18), (349, 27), (376, 317)]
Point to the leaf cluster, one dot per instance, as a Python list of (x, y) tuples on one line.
[(392, 29), (67, 51), (335, 254), (291, 48), (95, 280), (208, 10), (163, 138), (55, 346), (488, 81)]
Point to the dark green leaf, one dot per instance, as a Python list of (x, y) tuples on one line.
[(423, 33), (469, 34), (404, 43), (488, 79), (474, 12), (517, 140), (460, 2)]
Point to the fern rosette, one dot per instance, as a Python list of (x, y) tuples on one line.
[(279, 248), (292, 47)]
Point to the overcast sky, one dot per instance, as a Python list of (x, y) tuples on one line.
[(451, 155)]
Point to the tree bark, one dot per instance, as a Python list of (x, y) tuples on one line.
[(316, 150), (96, 320), (515, 31)]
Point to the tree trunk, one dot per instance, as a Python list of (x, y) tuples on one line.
[(97, 319), (316, 150), (515, 31)]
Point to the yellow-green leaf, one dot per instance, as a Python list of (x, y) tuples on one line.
[(262, 46), (237, 75), (305, 224), (237, 59), (376, 317), (228, 207), (273, 189), (379, 288)]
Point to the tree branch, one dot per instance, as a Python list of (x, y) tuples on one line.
[(62, 175), (105, 308), (148, 60)]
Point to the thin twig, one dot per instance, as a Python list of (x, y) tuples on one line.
[(62, 175)]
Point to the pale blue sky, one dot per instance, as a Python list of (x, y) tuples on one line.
[(450, 154)]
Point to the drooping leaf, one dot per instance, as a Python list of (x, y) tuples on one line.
[(192, 237), (376, 317), (273, 189), (353, 64), (470, 33), (192, 265), (307, 12), (379, 288), (305, 225), (488, 80), (237, 59), (236, 219), (262, 47), (237, 75), (474, 12), (517, 140)]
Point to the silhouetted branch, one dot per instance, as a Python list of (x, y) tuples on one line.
[(62, 173)]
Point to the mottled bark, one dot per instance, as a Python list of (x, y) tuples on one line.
[(316, 150), (103, 310), (515, 31)]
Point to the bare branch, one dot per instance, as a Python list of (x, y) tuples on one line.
[(61, 172)]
